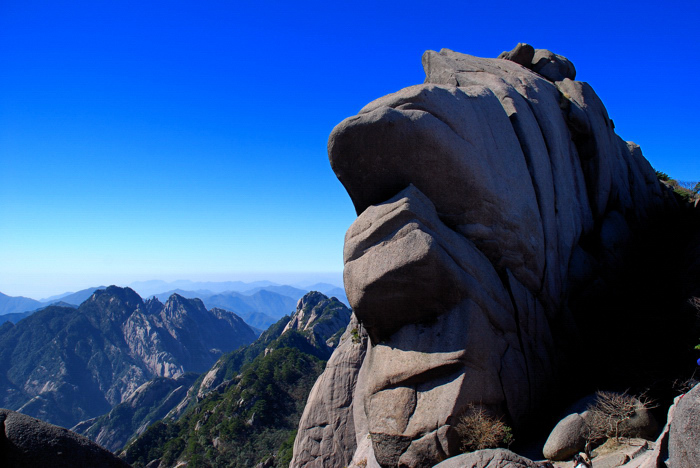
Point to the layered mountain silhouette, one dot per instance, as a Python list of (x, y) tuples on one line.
[(260, 303), (17, 304)]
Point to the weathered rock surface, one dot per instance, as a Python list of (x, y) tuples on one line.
[(26, 442), (684, 433), (485, 196)]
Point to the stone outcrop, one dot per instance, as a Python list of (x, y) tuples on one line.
[(485, 196), (26, 442)]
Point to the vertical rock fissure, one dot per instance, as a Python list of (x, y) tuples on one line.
[(538, 195), (516, 315), (503, 389)]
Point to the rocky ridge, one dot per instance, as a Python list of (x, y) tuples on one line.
[(487, 198)]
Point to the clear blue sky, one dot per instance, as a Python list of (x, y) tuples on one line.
[(143, 140)]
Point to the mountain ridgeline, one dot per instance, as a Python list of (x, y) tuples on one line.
[(246, 409), (65, 365)]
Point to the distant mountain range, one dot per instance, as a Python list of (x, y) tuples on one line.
[(153, 287), (14, 305), (75, 298), (259, 303), (67, 364), (17, 316), (19, 304)]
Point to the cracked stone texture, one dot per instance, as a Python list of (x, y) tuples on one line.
[(473, 192)]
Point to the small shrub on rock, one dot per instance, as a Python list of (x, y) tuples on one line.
[(609, 414), (478, 430)]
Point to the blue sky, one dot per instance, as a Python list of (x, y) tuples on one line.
[(143, 140)]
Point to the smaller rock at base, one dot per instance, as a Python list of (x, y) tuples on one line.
[(566, 439)]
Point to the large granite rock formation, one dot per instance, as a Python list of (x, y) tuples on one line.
[(485, 196)]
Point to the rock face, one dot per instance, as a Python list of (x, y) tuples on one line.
[(485, 196), (182, 335), (28, 442)]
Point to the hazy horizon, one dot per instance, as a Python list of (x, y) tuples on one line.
[(182, 140), (296, 279)]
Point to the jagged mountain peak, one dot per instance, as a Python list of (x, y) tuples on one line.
[(126, 295), (177, 305), (319, 314), (153, 306), (114, 296), (113, 304)]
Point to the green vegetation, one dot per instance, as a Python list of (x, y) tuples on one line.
[(253, 418), (688, 191)]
